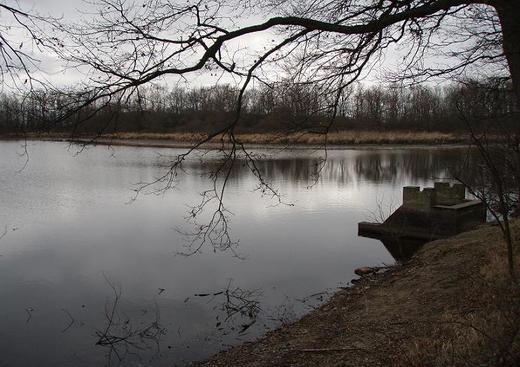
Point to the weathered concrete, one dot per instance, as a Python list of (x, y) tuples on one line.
[(441, 194), (428, 214), (446, 194)]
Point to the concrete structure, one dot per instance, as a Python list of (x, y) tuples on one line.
[(428, 214)]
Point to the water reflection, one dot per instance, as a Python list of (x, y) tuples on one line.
[(75, 228), (387, 165), (122, 336)]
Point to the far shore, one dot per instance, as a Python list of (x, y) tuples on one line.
[(333, 140)]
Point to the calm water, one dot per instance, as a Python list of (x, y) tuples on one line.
[(90, 278)]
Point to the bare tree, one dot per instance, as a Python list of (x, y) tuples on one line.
[(326, 44), (497, 142), (23, 40), (329, 43)]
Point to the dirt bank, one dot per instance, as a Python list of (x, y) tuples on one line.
[(451, 305)]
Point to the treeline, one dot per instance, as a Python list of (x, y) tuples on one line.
[(284, 107)]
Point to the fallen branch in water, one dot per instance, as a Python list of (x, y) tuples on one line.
[(71, 320), (4, 233)]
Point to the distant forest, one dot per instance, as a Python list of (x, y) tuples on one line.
[(284, 108)]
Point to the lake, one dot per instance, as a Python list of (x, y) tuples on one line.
[(91, 277)]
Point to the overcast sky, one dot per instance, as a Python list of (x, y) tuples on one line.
[(55, 8), (73, 10)]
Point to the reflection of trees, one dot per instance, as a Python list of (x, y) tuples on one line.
[(121, 336), (398, 165), (342, 168), (368, 166), (236, 302)]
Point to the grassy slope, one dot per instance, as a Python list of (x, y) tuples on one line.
[(451, 305)]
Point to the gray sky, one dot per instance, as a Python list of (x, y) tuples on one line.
[(71, 11), (55, 8), (74, 10), (48, 67)]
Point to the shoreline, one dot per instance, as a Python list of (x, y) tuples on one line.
[(424, 312), (343, 140)]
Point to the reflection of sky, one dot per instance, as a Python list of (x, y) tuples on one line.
[(74, 225)]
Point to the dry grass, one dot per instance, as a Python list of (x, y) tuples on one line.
[(453, 304), (333, 138)]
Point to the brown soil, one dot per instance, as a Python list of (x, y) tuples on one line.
[(453, 304)]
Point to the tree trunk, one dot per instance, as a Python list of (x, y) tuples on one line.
[(509, 15)]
